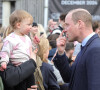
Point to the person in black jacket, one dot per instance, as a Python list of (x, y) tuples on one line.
[(16, 77)]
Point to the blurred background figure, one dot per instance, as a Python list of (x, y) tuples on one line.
[(49, 24), (69, 50), (34, 29), (53, 27), (38, 30), (49, 30), (61, 21), (96, 27), (41, 31), (52, 41)]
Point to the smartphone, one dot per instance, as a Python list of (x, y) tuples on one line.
[(64, 34)]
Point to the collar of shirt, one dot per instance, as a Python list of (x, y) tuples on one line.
[(87, 38)]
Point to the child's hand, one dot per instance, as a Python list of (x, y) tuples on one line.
[(36, 40), (3, 66)]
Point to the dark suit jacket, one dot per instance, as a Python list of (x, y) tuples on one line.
[(85, 72)]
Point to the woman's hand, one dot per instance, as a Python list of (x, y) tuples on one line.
[(33, 87)]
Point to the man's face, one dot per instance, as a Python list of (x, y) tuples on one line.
[(53, 25), (70, 28)]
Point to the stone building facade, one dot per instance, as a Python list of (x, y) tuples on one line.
[(35, 7)]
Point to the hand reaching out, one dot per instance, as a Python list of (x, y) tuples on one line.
[(36, 40)]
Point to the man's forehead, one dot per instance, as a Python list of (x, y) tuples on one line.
[(68, 17), (69, 14)]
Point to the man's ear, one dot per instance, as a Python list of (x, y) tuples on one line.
[(80, 23), (18, 25)]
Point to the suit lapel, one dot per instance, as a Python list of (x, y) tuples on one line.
[(79, 56)]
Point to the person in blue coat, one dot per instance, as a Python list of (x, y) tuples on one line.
[(84, 74)]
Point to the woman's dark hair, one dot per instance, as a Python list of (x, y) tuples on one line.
[(34, 24), (52, 40)]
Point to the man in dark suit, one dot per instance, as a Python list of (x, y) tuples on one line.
[(85, 72)]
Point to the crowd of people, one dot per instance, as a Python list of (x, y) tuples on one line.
[(63, 57)]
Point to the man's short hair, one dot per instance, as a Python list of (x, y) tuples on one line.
[(82, 14)]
